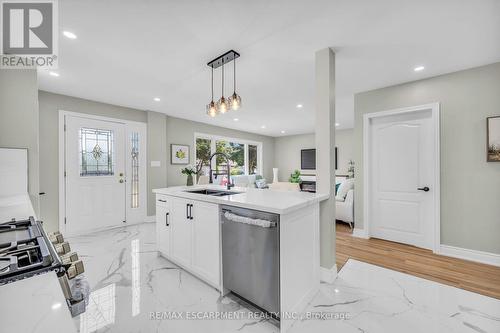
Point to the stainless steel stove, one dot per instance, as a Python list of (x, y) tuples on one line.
[(25, 251)]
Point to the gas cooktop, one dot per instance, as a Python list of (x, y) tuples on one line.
[(25, 251)]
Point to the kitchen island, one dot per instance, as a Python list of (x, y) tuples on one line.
[(190, 234)]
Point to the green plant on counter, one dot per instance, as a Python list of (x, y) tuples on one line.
[(295, 177)]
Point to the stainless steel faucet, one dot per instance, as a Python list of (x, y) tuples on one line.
[(229, 185)]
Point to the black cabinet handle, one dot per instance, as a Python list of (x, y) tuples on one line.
[(41, 193), (166, 219), (187, 211), (190, 211), (425, 189), (161, 200)]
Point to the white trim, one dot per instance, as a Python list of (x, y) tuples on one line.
[(328, 275), (360, 233), (472, 255), (150, 218), (435, 110), (62, 159)]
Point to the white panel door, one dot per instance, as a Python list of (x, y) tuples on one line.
[(95, 174), (402, 178)]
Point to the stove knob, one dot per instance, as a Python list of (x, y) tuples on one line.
[(75, 269), (62, 248), (68, 258)]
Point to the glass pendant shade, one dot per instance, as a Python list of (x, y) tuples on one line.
[(222, 106), (211, 109), (235, 101)]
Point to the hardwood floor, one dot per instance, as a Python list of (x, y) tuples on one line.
[(468, 275)]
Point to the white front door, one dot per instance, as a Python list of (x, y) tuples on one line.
[(402, 177), (95, 174)]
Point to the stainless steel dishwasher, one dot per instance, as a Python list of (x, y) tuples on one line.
[(250, 256)]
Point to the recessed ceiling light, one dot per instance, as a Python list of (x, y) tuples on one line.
[(53, 74), (235, 119), (419, 68), (337, 124), (263, 126), (282, 132), (299, 106), (69, 34), (157, 99)]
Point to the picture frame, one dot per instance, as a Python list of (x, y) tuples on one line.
[(493, 139), (179, 154)]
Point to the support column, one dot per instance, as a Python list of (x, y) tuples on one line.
[(325, 158)]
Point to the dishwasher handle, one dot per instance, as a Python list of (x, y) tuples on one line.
[(247, 220)]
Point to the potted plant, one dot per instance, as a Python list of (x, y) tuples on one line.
[(295, 177), (189, 171)]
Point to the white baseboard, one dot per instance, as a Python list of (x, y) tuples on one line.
[(328, 275), (360, 233), (472, 255)]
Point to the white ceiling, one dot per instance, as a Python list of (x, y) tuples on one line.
[(128, 52)]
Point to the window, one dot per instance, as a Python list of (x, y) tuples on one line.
[(203, 152), (244, 156), (134, 184), (252, 159), (96, 152)]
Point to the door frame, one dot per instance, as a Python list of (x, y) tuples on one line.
[(367, 168), (62, 159)]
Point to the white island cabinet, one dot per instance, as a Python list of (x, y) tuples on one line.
[(189, 234)]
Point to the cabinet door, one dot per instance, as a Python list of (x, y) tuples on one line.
[(163, 229), (181, 229), (206, 254)]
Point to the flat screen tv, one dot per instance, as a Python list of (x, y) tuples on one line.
[(308, 159)]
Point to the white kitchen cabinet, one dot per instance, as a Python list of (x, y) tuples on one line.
[(188, 234), (181, 231), (163, 224), (206, 255)]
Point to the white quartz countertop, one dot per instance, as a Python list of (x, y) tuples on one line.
[(35, 304), (16, 206), (278, 202)]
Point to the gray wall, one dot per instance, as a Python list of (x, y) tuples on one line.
[(50, 104), (19, 120), (470, 186), (287, 151), (157, 151), (162, 130), (182, 131), (344, 142)]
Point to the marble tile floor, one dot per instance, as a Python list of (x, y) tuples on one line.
[(135, 290)]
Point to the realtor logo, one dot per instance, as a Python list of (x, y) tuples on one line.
[(29, 34)]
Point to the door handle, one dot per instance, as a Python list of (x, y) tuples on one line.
[(121, 181), (425, 189), (166, 219)]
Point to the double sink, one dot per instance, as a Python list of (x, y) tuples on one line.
[(214, 193)]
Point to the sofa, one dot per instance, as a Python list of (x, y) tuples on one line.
[(344, 201)]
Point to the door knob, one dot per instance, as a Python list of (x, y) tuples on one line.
[(121, 181), (425, 189)]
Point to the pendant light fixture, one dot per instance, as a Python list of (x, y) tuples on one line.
[(223, 105), (211, 108), (235, 99)]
